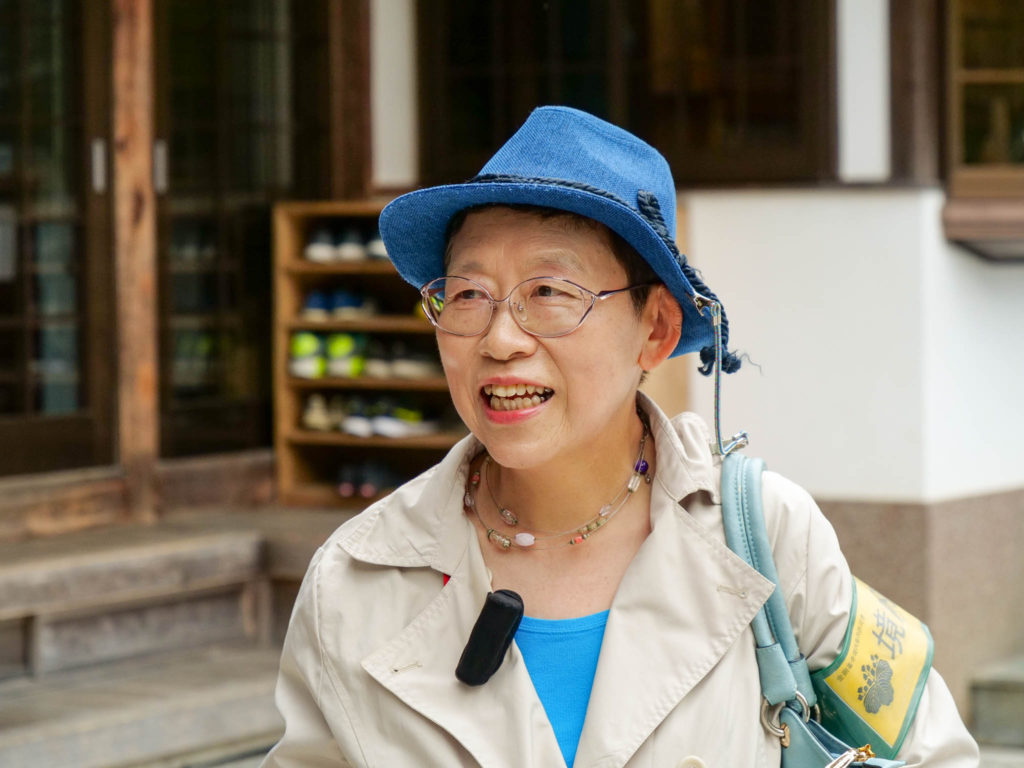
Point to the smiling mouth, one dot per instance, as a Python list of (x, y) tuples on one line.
[(515, 397)]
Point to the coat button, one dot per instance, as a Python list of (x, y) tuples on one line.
[(692, 762)]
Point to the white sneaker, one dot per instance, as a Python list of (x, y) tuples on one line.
[(351, 247), (320, 247)]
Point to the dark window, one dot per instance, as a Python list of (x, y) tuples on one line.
[(728, 90), (242, 122), (56, 367)]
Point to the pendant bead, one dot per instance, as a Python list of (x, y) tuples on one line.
[(525, 539), (500, 539), (508, 516)]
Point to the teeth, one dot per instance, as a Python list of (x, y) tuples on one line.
[(516, 390), (513, 404)]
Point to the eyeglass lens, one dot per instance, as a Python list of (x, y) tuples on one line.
[(544, 306)]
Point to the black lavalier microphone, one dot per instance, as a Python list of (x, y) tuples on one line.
[(491, 636)]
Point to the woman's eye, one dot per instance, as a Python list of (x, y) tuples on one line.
[(467, 294), (549, 291)]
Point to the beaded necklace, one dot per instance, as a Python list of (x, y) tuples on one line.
[(577, 535)]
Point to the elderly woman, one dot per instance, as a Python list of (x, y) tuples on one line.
[(554, 284)]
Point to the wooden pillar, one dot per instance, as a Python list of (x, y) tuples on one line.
[(348, 83), (135, 251)]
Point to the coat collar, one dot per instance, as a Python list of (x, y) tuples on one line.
[(422, 524), (682, 604)]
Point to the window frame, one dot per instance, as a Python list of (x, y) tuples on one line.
[(812, 159)]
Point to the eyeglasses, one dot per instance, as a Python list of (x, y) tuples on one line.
[(541, 306)]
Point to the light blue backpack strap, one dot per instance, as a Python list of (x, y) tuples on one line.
[(777, 682), (747, 536)]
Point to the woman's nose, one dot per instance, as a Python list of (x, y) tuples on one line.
[(503, 338)]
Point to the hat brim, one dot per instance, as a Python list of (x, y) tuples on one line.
[(414, 226)]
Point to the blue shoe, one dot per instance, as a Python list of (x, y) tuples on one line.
[(315, 306), (345, 303)]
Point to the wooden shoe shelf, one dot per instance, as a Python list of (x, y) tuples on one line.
[(308, 461)]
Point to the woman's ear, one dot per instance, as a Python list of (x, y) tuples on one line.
[(663, 320)]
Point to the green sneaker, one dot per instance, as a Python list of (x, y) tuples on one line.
[(345, 355), (307, 356)]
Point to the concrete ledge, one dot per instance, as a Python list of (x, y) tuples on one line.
[(121, 564), (141, 711), (997, 693)]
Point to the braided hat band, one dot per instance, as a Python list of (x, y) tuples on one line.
[(568, 160)]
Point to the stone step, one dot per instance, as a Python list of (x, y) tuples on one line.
[(997, 699), (996, 757), (121, 564), (117, 592), (215, 702)]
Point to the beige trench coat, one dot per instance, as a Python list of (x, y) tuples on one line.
[(367, 672)]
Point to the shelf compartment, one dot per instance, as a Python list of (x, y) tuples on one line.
[(364, 267), (414, 385), (323, 495), (441, 441), (376, 324)]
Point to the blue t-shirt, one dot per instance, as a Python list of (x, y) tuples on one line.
[(561, 657)]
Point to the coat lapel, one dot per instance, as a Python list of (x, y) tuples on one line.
[(684, 601), (499, 723)]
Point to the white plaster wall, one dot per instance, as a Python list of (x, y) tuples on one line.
[(974, 363), (822, 291), (862, 53), (890, 360), (393, 93)]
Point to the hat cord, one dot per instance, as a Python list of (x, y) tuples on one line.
[(740, 439)]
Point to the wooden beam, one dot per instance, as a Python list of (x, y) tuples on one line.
[(135, 251)]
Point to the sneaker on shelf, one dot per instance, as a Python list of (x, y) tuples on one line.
[(336, 410), (315, 415), (320, 246), (315, 306), (346, 303), (377, 478), (308, 360), (350, 247), (402, 420), (357, 419), (348, 480), (378, 360), (412, 364), (375, 246), (345, 355)]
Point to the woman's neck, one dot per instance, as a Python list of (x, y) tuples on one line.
[(565, 492)]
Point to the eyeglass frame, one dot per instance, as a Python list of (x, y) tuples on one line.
[(594, 298)]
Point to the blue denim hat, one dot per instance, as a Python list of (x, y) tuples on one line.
[(569, 160)]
